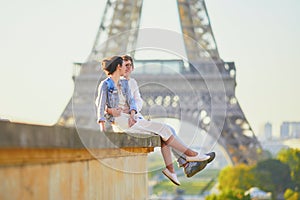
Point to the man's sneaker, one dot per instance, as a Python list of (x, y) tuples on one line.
[(194, 167), (181, 162)]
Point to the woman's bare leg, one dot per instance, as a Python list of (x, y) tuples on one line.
[(166, 153), (164, 131), (174, 143)]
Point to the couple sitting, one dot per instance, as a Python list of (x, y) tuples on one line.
[(119, 102)]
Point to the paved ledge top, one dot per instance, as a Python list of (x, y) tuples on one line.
[(19, 135)]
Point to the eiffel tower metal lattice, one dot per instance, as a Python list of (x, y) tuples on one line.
[(209, 102)]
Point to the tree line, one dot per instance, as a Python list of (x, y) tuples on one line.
[(279, 175)]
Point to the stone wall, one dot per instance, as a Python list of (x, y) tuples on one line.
[(52, 162)]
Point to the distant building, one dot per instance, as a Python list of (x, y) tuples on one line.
[(295, 129), (289, 137), (284, 130), (290, 130), (268, 131)]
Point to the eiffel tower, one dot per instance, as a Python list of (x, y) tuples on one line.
[(198, 88)]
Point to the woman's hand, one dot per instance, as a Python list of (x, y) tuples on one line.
[(102, 126), (125, 109), (116, 112)]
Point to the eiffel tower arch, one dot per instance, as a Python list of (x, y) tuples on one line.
[(197, 86)]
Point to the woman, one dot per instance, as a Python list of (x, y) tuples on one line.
[(114, 94)]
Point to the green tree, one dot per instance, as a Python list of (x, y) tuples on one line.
[(236, 177), (291, 195), (264, 180), (291, 157), (273, 175)]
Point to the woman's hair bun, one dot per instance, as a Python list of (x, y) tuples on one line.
[(110, 64)]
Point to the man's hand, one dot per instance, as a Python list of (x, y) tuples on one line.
[(131, 120)]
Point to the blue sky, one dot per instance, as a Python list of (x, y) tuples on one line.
[(41, 39)]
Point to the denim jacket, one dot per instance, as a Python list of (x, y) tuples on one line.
[(108, 97)]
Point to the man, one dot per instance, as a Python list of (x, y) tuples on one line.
[(190, 168)]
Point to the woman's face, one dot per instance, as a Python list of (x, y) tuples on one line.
[(122, 69)]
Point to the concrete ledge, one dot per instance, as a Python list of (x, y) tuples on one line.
[(18, 135), (36, 144), (53, 162)]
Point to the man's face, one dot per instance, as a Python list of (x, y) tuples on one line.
[(129, 68)]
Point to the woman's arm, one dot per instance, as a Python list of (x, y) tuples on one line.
[(129, 98), (131, 103), (101, 101)]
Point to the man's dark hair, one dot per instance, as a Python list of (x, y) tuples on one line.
[(127, 57)]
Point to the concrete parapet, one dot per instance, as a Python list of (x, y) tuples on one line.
[(53, 162)]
